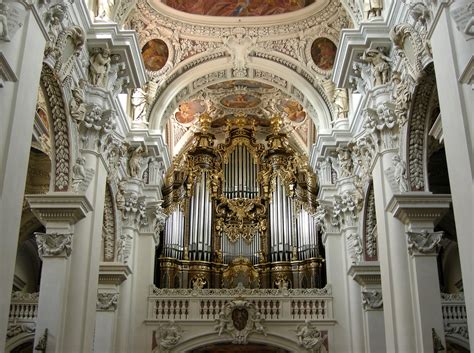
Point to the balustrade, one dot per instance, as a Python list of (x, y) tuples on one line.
[(273, 304)]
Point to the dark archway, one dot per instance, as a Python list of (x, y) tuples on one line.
[(238, 348)]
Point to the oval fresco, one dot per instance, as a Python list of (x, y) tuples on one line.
[(155, 54), (240, 100), (294, 111), (188, 112), (323, 52), (237, 7)]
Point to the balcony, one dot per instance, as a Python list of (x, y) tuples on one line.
[(22, 319)]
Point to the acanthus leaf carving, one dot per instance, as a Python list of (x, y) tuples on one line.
[(107, 301), (382, 124), (54, 244), (95, 127)]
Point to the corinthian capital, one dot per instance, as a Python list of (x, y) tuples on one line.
[(96, 126), (54, 244), (383, 126), (423, 242)]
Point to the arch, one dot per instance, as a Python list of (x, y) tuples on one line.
[(60, 129), (259, 69), (203, 340), (19, 340)]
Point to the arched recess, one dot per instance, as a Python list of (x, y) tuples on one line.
[(60, 129), (269, 339), (259, 69)]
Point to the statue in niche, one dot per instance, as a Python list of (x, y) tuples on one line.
[(341, 103), (99, 67), (4, 22), (77, 105), (104, 10), (139, 103), (373, 8), (399, 173), (379, 65)]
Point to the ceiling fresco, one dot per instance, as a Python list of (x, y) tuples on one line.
[(237, 7), (188, 112), (240, 100)]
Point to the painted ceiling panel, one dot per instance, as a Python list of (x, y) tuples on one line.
[(237, 7)]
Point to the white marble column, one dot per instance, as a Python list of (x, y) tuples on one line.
[(58, 212), (111, 276), (335, 273), (346, 215), (393, 257), (367, 275), (145, 265), (396, 290), (452, 42), (20, 69), (134, 217), (420, 211), (84, 272)]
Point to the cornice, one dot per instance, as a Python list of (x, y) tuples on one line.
[(113, 273), (411, 207), (63, 207), (366, 274)]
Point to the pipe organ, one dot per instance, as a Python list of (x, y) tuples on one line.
[(240, 211)]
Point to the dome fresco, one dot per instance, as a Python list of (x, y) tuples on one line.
[(237, 8)]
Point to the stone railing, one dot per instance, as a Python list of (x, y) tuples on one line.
[(23, 307), (23, 313), (273, 304), (454, 316)]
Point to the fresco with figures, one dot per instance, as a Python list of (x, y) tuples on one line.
[(237, 7)]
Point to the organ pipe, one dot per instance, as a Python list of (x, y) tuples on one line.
[(253, 179)]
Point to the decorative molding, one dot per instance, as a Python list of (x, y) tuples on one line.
[(60, 126), (107, 301), (96, 127), (240, 291), (54, 244), (346, 209), (424, 242), (14, 329), (370, 237), (372, 300)]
